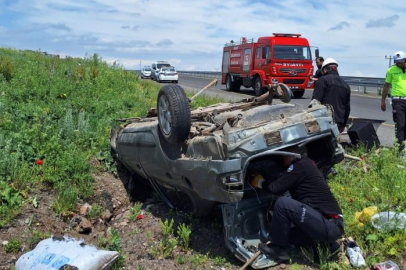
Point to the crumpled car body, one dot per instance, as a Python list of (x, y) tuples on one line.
[(228, 143)]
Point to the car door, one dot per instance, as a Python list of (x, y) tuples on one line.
[(246, 224)]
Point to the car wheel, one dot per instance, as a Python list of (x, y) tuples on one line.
[(176, 81), (232, 86), (298, 93), (259, 90), (174, 117), (284, 93)]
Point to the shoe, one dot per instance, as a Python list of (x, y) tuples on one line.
[(274, 252), (355, 255)]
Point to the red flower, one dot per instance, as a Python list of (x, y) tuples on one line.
[(140, 216), (38, 162)]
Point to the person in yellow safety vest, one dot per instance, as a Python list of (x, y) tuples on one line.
[(396, 76)]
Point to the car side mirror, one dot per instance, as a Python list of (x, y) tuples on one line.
[(317, 53), (268, 61)]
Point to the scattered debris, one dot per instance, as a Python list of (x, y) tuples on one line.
[(57, 254), (389, 220), (388, 265), (354, 253), (352, 157), (365, 215)]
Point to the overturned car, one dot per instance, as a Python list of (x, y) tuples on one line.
[(205, 157)]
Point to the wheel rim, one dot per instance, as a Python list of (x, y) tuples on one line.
[(165, 116)]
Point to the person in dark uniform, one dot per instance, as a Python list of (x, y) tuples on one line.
[(312, 208), (318, 74), (333, 90)]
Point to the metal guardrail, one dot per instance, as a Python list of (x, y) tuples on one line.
[(361, 82)]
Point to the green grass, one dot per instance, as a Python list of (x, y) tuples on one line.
[(13, 246), (60, 111), (382, 185)]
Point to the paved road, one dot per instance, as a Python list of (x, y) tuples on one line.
[(362, 106)]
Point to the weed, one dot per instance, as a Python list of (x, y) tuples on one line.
[(181, 259), (66, 199), (184, 232), (168, 242), (148, 235), (167, 228), (36, 236), (219, 261), (113, 243), (96, 211), (198, 259), (135, 231), (135, 211), (13, 246), (10, 199)]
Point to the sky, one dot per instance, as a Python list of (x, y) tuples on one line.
[(190, 35)]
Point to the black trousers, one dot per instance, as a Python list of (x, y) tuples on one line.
[(399, 113), (309, 224)]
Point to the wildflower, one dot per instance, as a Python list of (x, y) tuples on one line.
[(140, 216), (38, 162)]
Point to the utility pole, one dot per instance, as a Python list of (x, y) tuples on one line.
[(390, 59), (141, 62)]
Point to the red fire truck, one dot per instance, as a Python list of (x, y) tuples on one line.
[(281, 58)]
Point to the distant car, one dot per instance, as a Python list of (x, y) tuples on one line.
[(156, 67), (167, 74), (146, 72)]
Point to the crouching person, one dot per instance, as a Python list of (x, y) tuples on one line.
[(312, 209)]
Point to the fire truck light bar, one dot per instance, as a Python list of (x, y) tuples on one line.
[(286, 35)]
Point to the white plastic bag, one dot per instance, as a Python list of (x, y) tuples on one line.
[(389, 220), (53, 254)]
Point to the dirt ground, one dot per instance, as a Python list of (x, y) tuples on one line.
[(137, 237)]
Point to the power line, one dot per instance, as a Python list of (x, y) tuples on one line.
[(358, 56)]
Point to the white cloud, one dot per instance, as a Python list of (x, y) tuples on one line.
[(194, 32)]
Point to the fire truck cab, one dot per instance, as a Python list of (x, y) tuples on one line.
[(281, 58)]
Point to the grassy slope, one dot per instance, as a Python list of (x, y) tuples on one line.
[(60, 111)]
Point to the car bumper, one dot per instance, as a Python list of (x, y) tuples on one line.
[(169, 78)]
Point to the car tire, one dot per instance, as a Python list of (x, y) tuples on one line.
[(176, 81), (259, 90), (232, 86), (298, 93), (174, 117)]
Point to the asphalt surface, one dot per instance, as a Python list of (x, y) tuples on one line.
[(362, 106)]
